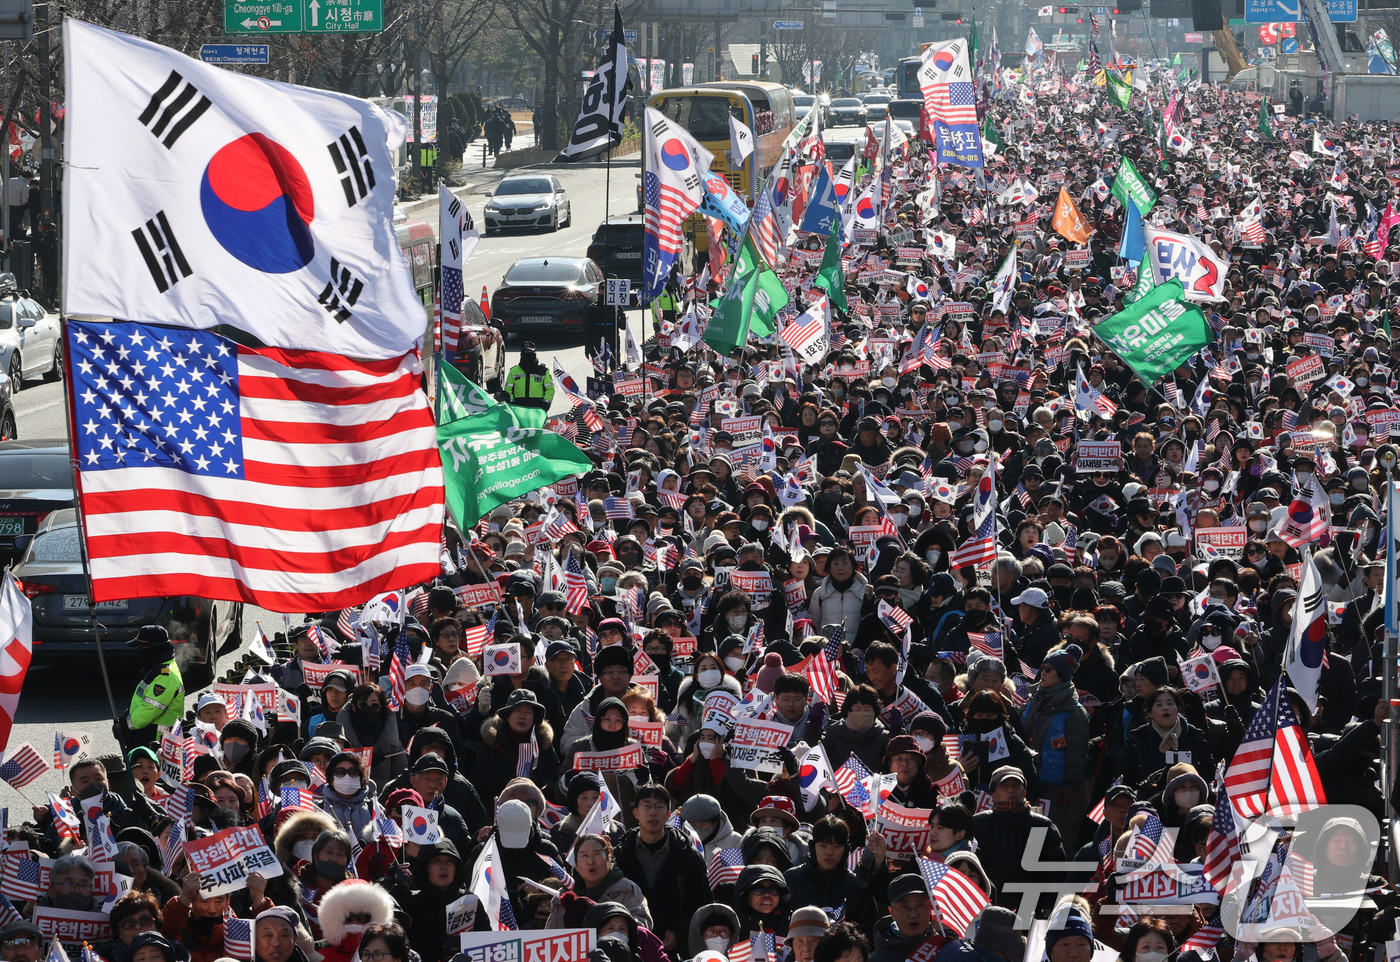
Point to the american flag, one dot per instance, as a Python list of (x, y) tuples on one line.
[(896, 619), (725, 866), (525, 755), (822, 670), (324, 644), (20, 880), (1097, 813), (763, 229), (8, 913), (1146, 844), (1248, 776), (403, 657), (559, 525), (238, 935), (1206, 939), (475, 637), (575, 586), (741, 950), (202, 461), (557, 870), (958, 898), (953, 103), (1295, 785), (989, 643), (264, 804), (25, 765), (617, 509), (1105, 405), (981, 548), (180, 803), (799, 336), (850, 782), (345, 623), (667, 207), (386, 828), (1252, 231), (298, 799)]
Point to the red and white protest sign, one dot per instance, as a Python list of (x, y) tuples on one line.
[(1228, 541), (759, 585), (225, 859), (649, 733), (719, 711), (315, 675), (72, 927), (905, 829), (477, 596), (755, 744), (1306, 369), (745, 431), (622, 759)]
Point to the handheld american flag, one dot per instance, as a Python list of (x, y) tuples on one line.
[(672, 191), (23, 766), (297, 480), (958, 898), (725, 866)]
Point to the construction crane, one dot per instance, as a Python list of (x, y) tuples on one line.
[(1329, 51)]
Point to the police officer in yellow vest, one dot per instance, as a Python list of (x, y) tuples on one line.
[(529, 383), (159, 698)]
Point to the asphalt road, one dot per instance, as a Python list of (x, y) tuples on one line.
[(71, 694)]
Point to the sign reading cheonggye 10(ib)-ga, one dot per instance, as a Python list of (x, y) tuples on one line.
[(303, 16)]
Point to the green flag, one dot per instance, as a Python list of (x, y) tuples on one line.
[(989, 131), (1265, 130), (1144, 284), (1157, 332), (461, 398), (972, 44), (830, 277), (487, 460), (750, 303), (1119, 90), (1176, 60), (1128, 183)]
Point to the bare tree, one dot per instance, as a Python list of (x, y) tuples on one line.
[(548, 28)]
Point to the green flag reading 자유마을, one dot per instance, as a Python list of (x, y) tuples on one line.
[(1265, 131), (1118, 89), (830, 277), (1157, 333), (749, 305), (1127, 182), (488, 460), (460, 398)]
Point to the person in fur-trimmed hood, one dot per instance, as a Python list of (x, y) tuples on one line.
[(518, 726), (345, 912)]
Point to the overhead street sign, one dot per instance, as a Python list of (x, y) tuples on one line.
[(234, 53), (788, 24), (1291, 11), (303, 16)]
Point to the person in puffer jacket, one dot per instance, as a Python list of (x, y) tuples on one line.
[(1057, 729), (345, 912)]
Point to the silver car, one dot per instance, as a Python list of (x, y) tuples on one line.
[(528, 200), (30, 345)]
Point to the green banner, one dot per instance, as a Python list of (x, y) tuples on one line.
[(1129, 183), (750, 303), (990, 132), (830, 277), (1265, 130), (460, 398), (1144, 285), (1157, 333), (487, 460), (1119, 90)]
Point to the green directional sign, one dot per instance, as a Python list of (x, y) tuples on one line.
[(303, 16)]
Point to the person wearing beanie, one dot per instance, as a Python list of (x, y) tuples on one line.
[(996, 938), (581, 793), (1057, 728), (1070, 937), (771, 671), (612, 666), (707, 817), (928, 729), (905, 760)]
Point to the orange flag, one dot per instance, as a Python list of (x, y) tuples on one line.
[(1069, 223)]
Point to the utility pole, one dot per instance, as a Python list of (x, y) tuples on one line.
[(45, 123), (417, 107)]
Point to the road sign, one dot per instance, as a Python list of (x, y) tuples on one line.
[(1342, 11), (619, 292), (1273, 11), (234, 53), (1290, 44), (918, 17), (788, 24), (303, 16)]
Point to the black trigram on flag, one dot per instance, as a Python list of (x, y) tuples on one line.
[(342, 291), (162, 252), (173, 108), (352, 162)]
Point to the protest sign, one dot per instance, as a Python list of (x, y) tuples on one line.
[(1174, 883), (1306, 369), (622, 759), (719, 711), (529, 945), (863, 536), (905, 829), (755, 744), (231, 694), (315, 674), (1228, 541), (1092, 456), (759, 585), (649, 733), (71, 926), (1075, 259), (1320, 343), (461, 914), (225, 859), (745, 431), (478, 596), (171, 755)]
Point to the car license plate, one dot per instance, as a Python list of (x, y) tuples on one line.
[(9, 527), (629, 256), (80, 602), (535, 320)]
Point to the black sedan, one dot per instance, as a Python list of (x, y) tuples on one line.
[(36, 478), (50, 573), (847, 111), (547, 293)]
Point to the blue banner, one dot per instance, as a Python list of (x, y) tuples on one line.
[(959, 144), (721, 201), (821, 204)]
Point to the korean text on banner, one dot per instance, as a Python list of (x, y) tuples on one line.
[(225, 859)]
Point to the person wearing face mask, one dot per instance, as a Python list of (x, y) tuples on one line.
[(868, 444), (1184, 790), (691, 590), (420, 707), (705, 814), (1057, 727), (709, 673), (714, 928), (1150, 940), (858, 731), (159, 698), (345, 912), (194, 921), (239, 741), (367, 723), (349, 797)]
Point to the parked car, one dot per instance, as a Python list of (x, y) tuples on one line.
[(50, 573), (481, 349), (543, 292), (30, 345), (36, 479), (528, 200), (846, 111)]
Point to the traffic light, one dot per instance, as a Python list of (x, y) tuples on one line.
[(754, 71), (953, 17)]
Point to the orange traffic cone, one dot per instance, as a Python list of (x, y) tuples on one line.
[(485, 303)]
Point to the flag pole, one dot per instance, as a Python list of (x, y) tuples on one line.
[(1388, 733)]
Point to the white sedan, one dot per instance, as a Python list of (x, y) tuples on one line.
[(528, 200), (30, 345)]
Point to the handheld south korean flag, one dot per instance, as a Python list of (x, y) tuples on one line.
[(195, 196), (420, 825), (502, 659)]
